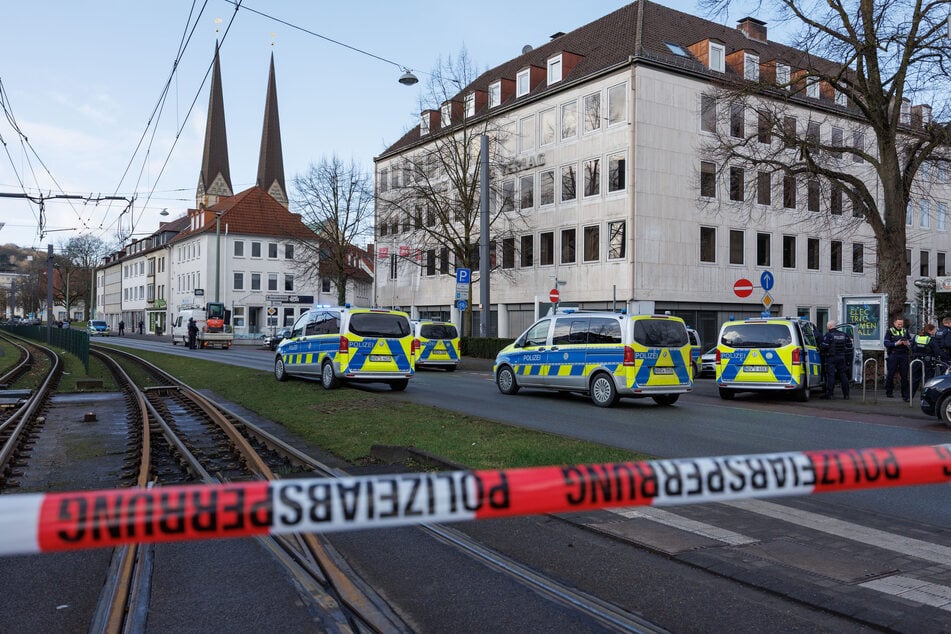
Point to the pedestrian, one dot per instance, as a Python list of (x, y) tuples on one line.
[(898, 349), (140, 326), (942, 338), (192, 333), (121, 328), (925, 348), (837, 358)]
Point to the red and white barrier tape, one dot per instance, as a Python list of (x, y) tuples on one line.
[(92, 519)]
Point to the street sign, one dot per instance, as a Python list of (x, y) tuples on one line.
[(553, 295), (461, 304), (463, 276), (743, 287), (767, 300), (271, 311), (766, 281)]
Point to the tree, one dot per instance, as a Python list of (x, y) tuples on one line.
[(77, 266), (336, 202), (874, 59), (433, 187)]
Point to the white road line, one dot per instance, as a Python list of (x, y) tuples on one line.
[(676, 521), (913, 590), (934, 553)]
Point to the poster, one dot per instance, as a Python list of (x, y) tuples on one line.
[(866, 314)]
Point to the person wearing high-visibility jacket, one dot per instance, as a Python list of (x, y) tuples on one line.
[(898, 348), (836, 356), (924, 347)]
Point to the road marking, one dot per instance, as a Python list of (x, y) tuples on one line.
[(914, 590), (676, 521), (934, 553)]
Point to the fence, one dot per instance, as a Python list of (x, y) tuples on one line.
[(75, 342)]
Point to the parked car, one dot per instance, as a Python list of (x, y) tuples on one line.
[(936, 398), (708, 362), (97, 327), (272, 340)]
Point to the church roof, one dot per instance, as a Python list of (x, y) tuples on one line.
[(215, 176), (252, 212), (271, 159)]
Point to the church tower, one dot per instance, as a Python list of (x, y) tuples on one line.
[(214, 182), (271, 159)]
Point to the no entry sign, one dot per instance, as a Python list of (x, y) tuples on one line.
[(553, 295), (743, 287)]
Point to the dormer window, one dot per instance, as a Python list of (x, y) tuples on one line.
[(424, 124), (470, 105), (554, 70), (495, 94), (782, 75), (445, 115), (905, 114), (751, 67), (522, 85), (677, 49), (717, 56), (812, 88), (841, 99)]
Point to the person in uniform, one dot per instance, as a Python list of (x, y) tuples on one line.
[(121, 328), (924, 347), (942, 338), (898, 348), (836, 349), (192, 333)]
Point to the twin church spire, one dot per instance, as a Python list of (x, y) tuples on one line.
[(214, 181)]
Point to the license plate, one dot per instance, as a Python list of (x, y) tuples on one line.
[(756, 368), (380, 358), (663, 370)]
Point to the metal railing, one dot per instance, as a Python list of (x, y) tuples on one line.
[(73, 341), (874, 362)]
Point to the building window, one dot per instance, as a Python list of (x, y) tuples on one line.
[(568, 183), (617, 240), (592, 243), (909, 216), (837, 141), (736, 246), (782, 75), (444, 260), (789, 252), (841, 99), (789, 192), (255, 249), (289, 282), (569, 120), (941, 217), (763, 127), (495, 94), (430, 264), (546, 127), (812, 254), (526, 134), (393, 266), (528, 251), (592, 112), (272, 281), (616, 172), (424, 124), (940, 269), (239, 248), (812, 198), (762, 249), (617, 104), (764, 188), (812, 87), (592, 177), (708, 244), (924, 214), (526, 191), (507, 202), (546, 193), (255, 281), (554, 70), (272, 250), (568, 246), (508, 253), (750, 67), (924, 264), (789, 132), (708, 113), (717, 56), (547, 244), (835, 253), (858, 257), (445, 117), (858, 144), (708, 179), (737, 121), (736, 184), (521, 83), (835, 201), (325, 285), (813, 134), (470, 105), (288, 251), (908, 262)]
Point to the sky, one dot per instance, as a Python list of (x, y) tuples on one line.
[(82, 81)]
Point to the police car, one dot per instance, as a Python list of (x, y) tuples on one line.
[(776, 353), (696, 350), (603, 354), (438, 344), (343, 343)]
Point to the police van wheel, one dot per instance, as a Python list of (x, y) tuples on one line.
[(505, 379), (665, 399), (603, 391), (280, 372), (399, 386), (802, 395), (726, 394), (327, 377)]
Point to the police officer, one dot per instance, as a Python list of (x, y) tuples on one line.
[(942, 338), (837, 356), (192, 333), (924, 347), (898, 348)]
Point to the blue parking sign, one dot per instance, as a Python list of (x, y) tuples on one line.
[(463, 276)]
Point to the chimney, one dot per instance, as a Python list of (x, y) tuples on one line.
[(753, 29)]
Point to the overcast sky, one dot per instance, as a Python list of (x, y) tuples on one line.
[(82, 79)]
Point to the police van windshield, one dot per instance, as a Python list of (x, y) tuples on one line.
[(379, 325), (660, 333), (438, 331), (756, 336)]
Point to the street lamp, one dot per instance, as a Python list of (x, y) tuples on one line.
[(217, 253)]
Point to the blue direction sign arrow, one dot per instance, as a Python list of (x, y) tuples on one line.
[(766, 280)]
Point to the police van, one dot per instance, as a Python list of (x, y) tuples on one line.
[(345, 344), (438, 344), (773, 353), (602, 354)]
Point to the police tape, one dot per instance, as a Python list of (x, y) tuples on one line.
[(51, 522)]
